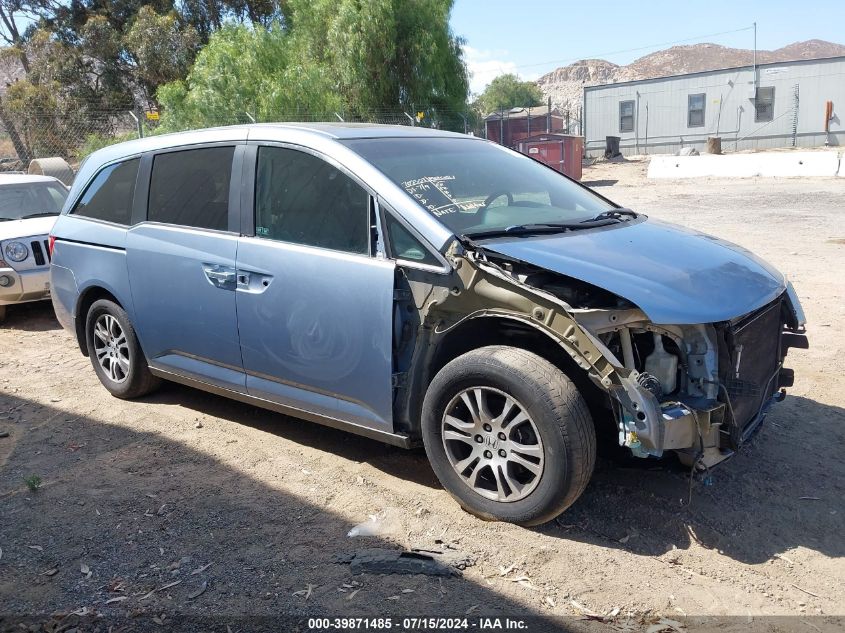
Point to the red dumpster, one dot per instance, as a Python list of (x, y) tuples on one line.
[(562, 152)]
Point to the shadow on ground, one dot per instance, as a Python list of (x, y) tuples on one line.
[(37, 316), (134, 529), (750, 511), (408, 465), (783, 490)]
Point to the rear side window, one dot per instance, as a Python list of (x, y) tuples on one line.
[(303, 199), (191, 188), (109, 196)]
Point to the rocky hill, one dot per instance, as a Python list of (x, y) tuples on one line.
[(564, 85)]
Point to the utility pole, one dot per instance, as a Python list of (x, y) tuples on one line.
[(755, 60)]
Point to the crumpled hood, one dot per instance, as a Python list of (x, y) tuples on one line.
[(14, 229), (673, 274)]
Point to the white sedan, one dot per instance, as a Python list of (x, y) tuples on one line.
[(29, 206)]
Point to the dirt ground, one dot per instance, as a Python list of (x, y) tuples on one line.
[(183, 491)]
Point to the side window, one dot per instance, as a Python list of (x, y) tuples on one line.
[(191, 188), (302, 199), (109, 196), (626, 116), (403, 244), (695, 110), (764, 104)]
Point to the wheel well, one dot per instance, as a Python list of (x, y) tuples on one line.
[(86, 300), (480, 332)]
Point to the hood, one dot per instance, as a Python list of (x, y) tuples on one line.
[(14, 229), (675, 275)]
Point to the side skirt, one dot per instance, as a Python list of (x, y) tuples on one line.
[(394, 439)]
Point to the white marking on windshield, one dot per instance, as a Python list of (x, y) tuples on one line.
[(428, 189)]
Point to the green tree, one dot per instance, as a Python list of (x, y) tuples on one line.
[(328, 56), (160, 50), (248, 71), (507, 91), (385, 54)]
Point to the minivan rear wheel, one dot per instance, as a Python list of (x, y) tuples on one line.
[(508, 435), (115, 353)]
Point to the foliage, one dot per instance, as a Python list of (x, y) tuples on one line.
[(222, 61), (329, 56), (247, 71), (34, 107), (95, 141), (33, 482), (385, 53), (160, 50), (507, 91)]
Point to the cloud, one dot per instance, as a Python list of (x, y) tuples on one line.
[(484, 66)]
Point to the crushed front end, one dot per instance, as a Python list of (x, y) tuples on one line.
[(700, 390)]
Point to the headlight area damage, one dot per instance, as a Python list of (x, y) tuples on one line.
[(699, 390)]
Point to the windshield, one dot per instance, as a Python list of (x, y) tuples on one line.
[(476, 187), (32, 199)]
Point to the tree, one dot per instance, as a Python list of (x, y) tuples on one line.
[(160, 50), (248, 71), (507, 91), (385, 53), (328, 56)]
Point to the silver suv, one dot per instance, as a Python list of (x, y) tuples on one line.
[(29, 205), (421, 287)]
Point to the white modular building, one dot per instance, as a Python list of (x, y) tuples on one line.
[(787, 104)]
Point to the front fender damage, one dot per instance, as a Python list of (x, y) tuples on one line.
[(483, 288)]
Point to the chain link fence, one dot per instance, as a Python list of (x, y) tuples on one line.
[(76, 132)]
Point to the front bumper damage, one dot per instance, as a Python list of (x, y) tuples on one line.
[(698, 421), (731, 374)]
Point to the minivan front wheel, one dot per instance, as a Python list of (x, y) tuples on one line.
[(508, 435), (115, 352)]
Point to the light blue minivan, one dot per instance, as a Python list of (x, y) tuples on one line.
[(421, 287)]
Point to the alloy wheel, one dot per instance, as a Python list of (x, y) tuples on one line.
[(111, 348), (493, 444)]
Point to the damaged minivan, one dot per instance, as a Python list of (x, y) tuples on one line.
[(421, 288)]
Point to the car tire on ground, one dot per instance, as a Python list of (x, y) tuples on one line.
[(508, 435), (2, 313), (115, 352)]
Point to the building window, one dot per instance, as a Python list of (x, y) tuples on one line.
[(764, 104), (695, 110), (626, 116)]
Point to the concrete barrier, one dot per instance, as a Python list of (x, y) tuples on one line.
[(765, 164), (842, 165)]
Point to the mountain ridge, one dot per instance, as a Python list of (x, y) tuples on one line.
[(564, 85)]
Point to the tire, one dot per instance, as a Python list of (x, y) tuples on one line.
[(124, 370), (557, 438), (2, 313)]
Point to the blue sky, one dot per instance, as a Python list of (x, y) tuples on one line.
[(532, 37)]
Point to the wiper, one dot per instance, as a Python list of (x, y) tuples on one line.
[(7, 219), (38, 215), (542, 229), (616, 214)]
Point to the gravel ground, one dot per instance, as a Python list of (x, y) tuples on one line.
[(186, 505)]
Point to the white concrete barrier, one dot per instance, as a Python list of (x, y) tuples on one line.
[(766, 164), (842, 165)]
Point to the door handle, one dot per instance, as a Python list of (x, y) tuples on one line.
[(221, 276)]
